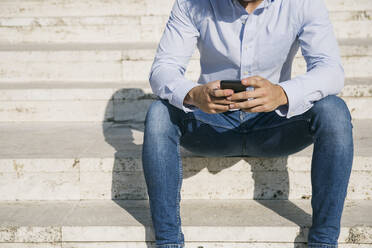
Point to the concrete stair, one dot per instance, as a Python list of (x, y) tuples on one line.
[(118, 101), (219, 223), (128, 21), (74, 92), (90, 160), (128, 62), (94, 82)]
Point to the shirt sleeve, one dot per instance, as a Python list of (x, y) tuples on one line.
[(325, 74), (175, 48)]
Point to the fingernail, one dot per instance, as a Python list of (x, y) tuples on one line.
[(228, 98), (232, 105)]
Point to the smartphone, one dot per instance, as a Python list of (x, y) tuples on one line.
[(236, 86)]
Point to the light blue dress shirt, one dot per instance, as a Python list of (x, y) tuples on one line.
[(234, 44)]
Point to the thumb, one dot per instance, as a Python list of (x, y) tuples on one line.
[(215, 84), (245, 81)]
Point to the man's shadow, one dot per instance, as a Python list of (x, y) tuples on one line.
[(272, 192), (128, 106)]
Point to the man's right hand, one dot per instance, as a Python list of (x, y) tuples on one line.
[(209, 97)]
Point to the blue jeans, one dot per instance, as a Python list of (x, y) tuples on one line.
[(237, 133)]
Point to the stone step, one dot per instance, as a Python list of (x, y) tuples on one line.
[(120, 101), (205, 224), (114, 29), (63, 8), (55, 91), (99, 17), (130, 61), (88, 160)]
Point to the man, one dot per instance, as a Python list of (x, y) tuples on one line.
[(254, 41)]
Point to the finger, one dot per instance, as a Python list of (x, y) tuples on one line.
[(221, 93), (254, 81), (221, 101), (256, 77), (256, 109), (247, 104), (219, 107), (246, 95)]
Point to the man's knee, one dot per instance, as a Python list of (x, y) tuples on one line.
[(160, 117), (332, 113), (333, 108), (157, 112)]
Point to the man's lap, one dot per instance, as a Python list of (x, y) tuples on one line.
[(264, 134), (239, 133)]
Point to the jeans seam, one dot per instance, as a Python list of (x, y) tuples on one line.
[(179, 188), (244, 144)]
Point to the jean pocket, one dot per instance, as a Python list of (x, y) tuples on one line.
[(217, 120)]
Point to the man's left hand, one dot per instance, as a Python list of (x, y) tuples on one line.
[(267, 96)]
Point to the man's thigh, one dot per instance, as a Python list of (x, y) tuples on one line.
[(212, 134), (262, 134), (270, 135)]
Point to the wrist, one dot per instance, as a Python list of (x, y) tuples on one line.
[(189, 98), (283, 96)]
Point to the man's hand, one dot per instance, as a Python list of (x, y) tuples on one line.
[(267, 96), (209, 97)]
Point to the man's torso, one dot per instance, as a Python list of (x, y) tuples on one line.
[(234, 44)]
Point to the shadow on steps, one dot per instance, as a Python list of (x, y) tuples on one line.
[(127, 173)]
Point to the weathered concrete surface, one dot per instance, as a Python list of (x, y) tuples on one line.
[(131, 70), (152, 245), (126, 101), (128, 31), (99, 27), (127, 70), (119, 91), (213, 223), (75, 161), (34, 166), (130, 62), (40, 8), (357, 87), (130, 51), (128, 111), (58, 111)]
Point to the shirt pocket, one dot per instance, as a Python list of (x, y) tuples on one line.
[(273, 51)]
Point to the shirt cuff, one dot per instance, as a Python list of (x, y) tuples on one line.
[(282, 110), (295, 97), (180, 93)]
